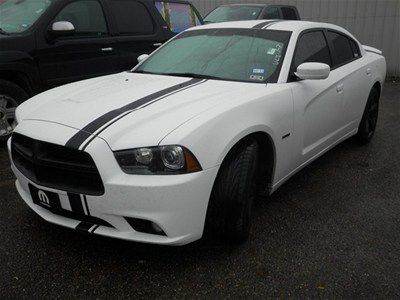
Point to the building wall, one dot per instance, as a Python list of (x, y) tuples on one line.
[(374, 22)]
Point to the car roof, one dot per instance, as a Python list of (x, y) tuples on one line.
[(294, 26)]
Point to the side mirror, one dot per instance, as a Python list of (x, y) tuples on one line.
[(313, 71), (142, 57), (62, 28)]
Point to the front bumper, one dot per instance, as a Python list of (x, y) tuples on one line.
[(176, 203)]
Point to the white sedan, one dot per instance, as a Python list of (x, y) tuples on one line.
[(187, 139)]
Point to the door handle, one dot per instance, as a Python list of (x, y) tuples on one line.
[(108, 49), (157, 44), (339, 88)]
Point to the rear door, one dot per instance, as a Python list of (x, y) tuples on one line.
[(347, 61), (137, 31), (89, 52)]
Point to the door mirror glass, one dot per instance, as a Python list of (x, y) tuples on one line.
[(62, 28), (313, 71), (142, 57)]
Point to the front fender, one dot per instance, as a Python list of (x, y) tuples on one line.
[(212, 134)]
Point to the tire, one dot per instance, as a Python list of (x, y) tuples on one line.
[(369, 120), (231, 202), (11, 95)]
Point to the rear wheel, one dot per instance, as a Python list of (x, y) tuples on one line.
[(369, 120), (230, 207), (11, 95)]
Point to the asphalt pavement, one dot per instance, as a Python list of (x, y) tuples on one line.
[(332, 231)]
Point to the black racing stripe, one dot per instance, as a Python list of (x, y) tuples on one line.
[(80, 137), (76, 203), (86, 205), (95, 228), (263, 24), (84, 226), (273, 23), (127, 113)]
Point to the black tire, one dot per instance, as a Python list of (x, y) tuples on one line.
[(11, 95), (230, 208), (369, 120)]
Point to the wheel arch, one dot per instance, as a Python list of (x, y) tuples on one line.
[(19, 78), (377, 85), (267, 166)]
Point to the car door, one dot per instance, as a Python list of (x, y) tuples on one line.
[(347, 60), (318, 104), (137, 30), (88, 52)]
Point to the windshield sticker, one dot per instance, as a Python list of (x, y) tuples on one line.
[(256, 77), (258, 71), (271, 51)]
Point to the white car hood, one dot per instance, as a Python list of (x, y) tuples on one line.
[(80, 104)]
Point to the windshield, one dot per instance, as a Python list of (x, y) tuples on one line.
[(233, 13), (18, 15), (249, 55)]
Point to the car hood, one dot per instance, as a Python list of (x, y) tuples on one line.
[(128, 108)]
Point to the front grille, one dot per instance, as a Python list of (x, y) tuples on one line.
[(56, 166)]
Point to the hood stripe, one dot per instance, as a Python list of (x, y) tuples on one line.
[(127, 113), (81, 136)]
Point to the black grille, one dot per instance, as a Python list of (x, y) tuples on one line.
[(56, 166)]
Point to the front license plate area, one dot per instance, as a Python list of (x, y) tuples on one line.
[(45, 199)]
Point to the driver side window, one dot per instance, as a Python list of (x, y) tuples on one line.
[(312, 47), (87, 17)]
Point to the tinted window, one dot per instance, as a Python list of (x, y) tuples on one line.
[(233, 13), (312, 47), (132, 17), (354, 47), (288, 13), (229, 53), (87, 17), (179, 16), (271, 13), (343, 50)]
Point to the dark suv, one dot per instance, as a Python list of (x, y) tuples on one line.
[(47, 43), (241, 12)]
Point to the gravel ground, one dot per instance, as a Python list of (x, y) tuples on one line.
[(332, 231)]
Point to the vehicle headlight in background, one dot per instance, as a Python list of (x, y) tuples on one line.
[(162, 160)]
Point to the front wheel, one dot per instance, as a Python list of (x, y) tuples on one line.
[(367, 126), (230, 207), (11, 95)]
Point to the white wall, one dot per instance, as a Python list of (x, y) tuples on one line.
[(374, 22)]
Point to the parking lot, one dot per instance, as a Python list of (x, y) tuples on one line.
[(333, 230)]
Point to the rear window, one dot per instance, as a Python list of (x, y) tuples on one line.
[(131, 17), (178, 16), (344, 51), (233, 13), (289, 13)]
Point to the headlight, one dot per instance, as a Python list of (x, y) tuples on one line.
[(163, 160)]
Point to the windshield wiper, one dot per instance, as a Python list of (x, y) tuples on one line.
[(2, 31), (194, 75)]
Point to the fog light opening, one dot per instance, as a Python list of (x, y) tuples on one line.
[(145, 226)]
